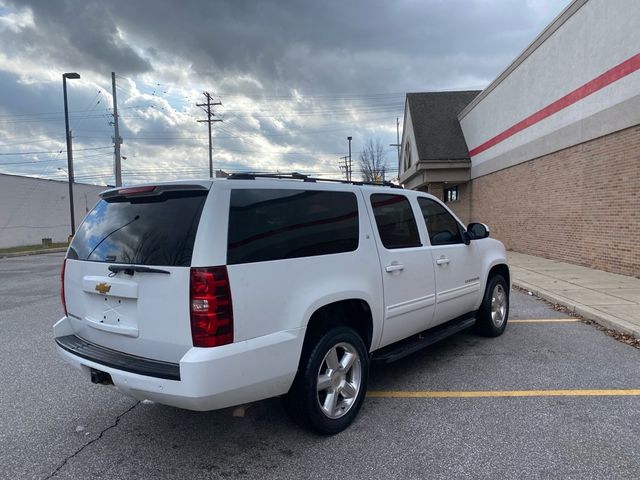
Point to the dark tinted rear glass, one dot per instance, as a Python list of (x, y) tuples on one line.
[(151, 230), (277, 224), (395, 221)]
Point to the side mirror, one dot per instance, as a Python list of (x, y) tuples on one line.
[(466, 236), (478, 231)]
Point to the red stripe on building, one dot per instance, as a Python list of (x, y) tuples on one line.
[(607, 78)]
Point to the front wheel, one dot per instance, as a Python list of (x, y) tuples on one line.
[(331, 383), (494, 312)]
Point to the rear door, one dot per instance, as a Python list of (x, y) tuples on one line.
[(457, 266), (127, 270), (407, 270)]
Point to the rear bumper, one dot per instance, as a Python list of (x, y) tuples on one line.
[(118, 360), (208, 378)]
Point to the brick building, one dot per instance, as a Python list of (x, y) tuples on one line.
[(552, 145)]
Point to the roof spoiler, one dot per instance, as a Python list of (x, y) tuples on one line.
[(149, 190)]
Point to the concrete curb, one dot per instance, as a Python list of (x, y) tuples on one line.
[(33, 252), (590, 313)]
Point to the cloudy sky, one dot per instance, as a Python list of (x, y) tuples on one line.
[(295, 78)]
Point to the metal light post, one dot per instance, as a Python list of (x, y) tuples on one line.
[(350, 167), (70, 76)]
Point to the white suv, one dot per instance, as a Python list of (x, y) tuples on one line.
[(209, 294)]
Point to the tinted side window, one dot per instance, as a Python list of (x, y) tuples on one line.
[(442, 227), (275, 224), (395, 221)]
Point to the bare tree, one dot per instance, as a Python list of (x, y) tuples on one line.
[(373, 165)]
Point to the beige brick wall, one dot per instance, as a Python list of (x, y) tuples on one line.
[(437, 190), (462, 207), (580, 205)]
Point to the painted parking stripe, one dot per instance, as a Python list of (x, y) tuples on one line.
[(505, 393), (545, 320)]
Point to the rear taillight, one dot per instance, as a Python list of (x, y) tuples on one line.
[(64, 303), (211, 308)]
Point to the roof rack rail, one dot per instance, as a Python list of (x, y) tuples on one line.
[(305, 178)]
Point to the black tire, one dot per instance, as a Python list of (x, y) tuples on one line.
[(303, 400), (489, 325)]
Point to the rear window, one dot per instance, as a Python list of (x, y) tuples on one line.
[(146, 230), (271, 224)]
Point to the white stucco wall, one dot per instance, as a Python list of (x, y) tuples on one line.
[(591, 38), (408, 135), (32, 209)]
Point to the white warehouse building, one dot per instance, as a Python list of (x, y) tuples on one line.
[(33, 209)]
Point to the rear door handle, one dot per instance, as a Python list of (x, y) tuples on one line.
[(442, 261), (394, 267)]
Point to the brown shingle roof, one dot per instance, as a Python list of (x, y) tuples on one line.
[(435, 123)]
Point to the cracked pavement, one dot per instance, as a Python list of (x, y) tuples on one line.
[(56, 424), (95, 439)]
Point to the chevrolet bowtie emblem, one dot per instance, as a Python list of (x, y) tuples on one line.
[(103, 288)]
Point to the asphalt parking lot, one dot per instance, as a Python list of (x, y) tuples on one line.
[(57, 425)]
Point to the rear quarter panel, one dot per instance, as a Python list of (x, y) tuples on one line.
[(281, 295)]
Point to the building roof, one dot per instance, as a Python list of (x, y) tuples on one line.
[(51, 180), (437, 131)]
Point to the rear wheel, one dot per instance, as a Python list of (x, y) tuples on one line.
[(494, 312), (331, 383)]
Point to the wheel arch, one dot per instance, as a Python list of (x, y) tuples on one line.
[(352, 312), (500, 269)]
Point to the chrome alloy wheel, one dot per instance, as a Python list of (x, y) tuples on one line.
[(498, 305), (339, 380)]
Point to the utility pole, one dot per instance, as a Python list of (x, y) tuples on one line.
[(210, 114), (350, 169), (344, 165), (117, 139), (397, 144)]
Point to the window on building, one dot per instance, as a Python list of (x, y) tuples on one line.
[(442, 226), (407, 155), (451, 194), (395, 220), (275, 224)]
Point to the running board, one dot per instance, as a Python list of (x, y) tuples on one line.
[(410, 345)]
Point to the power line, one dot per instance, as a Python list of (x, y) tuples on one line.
[(51, 151)]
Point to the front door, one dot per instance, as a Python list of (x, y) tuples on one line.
[(407, 268), (457, 266)]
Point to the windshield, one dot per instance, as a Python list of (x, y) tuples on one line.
[(149, 230)]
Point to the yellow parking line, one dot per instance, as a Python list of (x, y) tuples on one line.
[(544, 320), (505, 393)]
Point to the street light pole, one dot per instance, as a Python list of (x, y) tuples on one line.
[(350, 166), (70, 76)]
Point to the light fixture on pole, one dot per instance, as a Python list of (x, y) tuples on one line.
[(70, 76)]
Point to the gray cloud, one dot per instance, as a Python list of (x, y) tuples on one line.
[(79, 34), (312, 46), (295, 77)]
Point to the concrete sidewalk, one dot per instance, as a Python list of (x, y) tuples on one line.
[(606, 298)]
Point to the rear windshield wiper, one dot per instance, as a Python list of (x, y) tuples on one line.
[(130, 269)]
